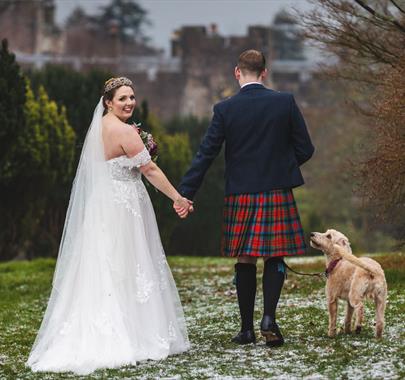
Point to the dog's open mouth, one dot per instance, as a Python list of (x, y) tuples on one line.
[(315, 244)]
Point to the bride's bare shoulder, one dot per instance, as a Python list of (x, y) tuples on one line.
[(115, 126)]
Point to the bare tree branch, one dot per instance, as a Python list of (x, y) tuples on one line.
[(397, 6), (379, 15), (369, 44)]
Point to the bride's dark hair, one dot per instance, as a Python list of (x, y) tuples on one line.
[(111, 87)]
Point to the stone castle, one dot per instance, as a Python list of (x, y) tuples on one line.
[(197, 74)]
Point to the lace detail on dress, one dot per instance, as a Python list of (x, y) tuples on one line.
[(68, 325), (162, 266), (171, 337), (125, 168), (126, 192), (104, 324), (101, 323), (140, 159), (127, 181), (122, 173), (172, 332), (144, 286)]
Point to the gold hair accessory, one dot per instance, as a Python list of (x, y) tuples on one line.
[(116, 82)]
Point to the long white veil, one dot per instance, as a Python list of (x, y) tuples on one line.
[(90, 199), (88, 217)]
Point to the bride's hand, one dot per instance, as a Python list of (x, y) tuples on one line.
[(183, 207)]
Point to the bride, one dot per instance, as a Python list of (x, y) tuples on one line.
[(113, 301)]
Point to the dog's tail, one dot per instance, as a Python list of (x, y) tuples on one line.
[(355, 260)]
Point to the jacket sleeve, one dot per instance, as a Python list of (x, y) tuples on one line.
[(301, 140), (208, 150)]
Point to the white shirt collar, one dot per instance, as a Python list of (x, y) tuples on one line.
[(246, 84)]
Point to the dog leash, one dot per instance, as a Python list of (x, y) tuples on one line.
[(323, 274), (320, 274)]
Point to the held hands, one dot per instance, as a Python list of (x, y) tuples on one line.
[(183, 207)]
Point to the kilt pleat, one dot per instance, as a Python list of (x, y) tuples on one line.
[(262, 224)]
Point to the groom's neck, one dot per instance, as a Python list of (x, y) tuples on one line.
[(249, 79)]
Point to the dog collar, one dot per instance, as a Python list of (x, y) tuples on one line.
[(331, 267)]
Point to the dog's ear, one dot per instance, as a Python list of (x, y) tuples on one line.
[(344, 242)]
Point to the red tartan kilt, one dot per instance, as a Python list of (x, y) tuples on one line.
[(262, 224)]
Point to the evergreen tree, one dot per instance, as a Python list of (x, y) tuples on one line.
[(53, 176), (39, 164), (208, 201), (174, 157), (174, 154), (78, 92), (12, 100)]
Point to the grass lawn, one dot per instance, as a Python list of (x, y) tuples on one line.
[(209, 300)]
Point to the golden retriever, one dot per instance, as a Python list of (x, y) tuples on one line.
[(351, 279)]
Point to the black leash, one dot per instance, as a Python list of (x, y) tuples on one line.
[(321, 274)]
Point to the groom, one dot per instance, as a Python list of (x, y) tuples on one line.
[(266, 140)]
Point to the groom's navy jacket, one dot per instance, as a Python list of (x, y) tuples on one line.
[(266, 140)]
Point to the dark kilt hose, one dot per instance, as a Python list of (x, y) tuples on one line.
[(265, 224)]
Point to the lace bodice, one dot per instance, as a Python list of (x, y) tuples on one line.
[(125, 168), (127, 183)]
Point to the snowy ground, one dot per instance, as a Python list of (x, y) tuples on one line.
[(209, 301)]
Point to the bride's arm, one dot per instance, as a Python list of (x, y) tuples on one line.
[(132, 144), (157, 178)]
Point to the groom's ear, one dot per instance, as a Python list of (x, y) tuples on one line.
[(237, 73), (263, 74)]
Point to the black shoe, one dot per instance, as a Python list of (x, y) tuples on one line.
[(271, 332), (245, 337)]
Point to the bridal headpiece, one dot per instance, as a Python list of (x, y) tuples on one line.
[(116, 82)]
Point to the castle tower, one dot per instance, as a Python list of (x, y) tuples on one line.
[(287, 43)]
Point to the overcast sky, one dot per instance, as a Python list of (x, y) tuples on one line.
[(231, 16)]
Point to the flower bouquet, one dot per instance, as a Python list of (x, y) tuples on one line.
[(148, 141)]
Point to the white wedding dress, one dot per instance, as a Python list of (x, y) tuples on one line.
[(114, 301)]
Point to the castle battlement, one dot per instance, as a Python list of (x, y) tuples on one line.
[(198, 73)]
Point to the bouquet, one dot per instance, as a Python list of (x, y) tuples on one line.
[(149, 142)]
